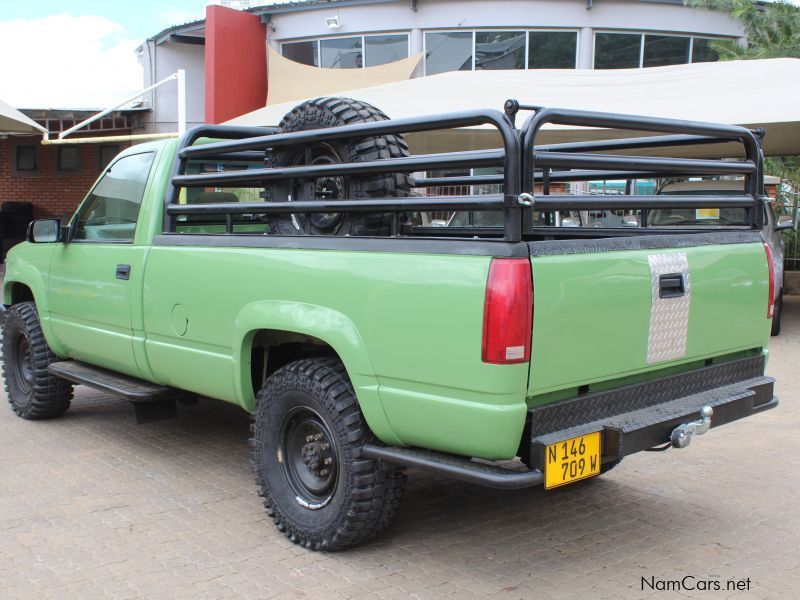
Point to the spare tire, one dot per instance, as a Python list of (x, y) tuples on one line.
[(335, 112)]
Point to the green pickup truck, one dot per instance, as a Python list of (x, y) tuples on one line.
[(286, 270)]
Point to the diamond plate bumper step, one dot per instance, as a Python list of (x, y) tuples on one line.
[(641, 416)]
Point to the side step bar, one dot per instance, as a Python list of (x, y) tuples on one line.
[(455, 467), (151, 402)]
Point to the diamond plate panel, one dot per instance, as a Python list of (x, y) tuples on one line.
[(669, 317)]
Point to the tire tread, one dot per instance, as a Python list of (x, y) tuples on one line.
[(51, 395), (376, 491)]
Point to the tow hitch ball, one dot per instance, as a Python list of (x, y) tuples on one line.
[(682, 434)]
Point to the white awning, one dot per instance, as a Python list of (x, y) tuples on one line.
[(754, 93), (13, 121)]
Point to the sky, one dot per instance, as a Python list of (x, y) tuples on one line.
[(80, 53)]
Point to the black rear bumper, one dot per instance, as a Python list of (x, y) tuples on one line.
[(631, 419), (641, 416)]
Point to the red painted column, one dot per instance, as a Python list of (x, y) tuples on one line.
[(236, 63)]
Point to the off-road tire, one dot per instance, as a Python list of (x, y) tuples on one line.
[(32, 392), (365, 495), (335, 112), (776, 317)]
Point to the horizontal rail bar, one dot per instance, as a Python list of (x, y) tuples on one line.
[(387, 165), (687, 166), (572, 202), (585, 118), (393, 126), (600, 175), (250, 156), (453, 203), (553, 176), (656, 141)]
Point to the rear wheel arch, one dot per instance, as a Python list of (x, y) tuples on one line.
[(271, 334)]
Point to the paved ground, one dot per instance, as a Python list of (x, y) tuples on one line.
[(93, 505)]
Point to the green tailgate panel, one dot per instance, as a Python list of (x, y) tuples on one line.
[(592, 312)]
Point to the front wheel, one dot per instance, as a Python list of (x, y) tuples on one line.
[(317, 488), (32, 391)]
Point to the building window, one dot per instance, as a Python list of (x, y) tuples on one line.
[(663, 50), (341, 53), (67, 159), (26, 158), (632, 50), (106, 153), (384, 49), (617, 50), (702, 51), (306, 53), (448, 51), (552, 49), (454, 50), (499, 50), (352, 52)]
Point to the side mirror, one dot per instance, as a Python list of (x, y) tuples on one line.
[(785, 222), (43, 231)]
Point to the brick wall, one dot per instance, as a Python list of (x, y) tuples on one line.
[(54, 193)]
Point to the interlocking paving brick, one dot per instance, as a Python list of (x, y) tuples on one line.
[(92, 505)]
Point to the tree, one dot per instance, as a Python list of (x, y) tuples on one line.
[(772, 29)]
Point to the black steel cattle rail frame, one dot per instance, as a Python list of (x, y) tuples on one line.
[(524, 166)]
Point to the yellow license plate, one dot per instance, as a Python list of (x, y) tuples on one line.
[(572, 460)]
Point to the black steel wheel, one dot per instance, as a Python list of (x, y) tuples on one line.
[(32, 392), (324, 188), (310, 459), (335, 112), (308, 437)]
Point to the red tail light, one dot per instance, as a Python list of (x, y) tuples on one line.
[(771, 266), (508, 312)]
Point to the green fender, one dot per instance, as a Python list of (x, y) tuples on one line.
[(29, 275), (330, 326)]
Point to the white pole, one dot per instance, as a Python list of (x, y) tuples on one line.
[(102, 114), (181, 74)]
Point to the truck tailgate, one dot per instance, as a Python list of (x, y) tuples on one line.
[(610, 308)]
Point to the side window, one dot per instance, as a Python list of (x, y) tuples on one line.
[(110, 211)]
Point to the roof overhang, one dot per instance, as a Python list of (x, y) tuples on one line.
[(756, 94), (13, 121)]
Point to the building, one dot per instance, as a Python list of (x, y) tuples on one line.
[(225, 55), (54, 178)]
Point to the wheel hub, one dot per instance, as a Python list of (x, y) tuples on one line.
[(324, 188), (308, 458)]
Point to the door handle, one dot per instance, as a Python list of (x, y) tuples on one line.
[(123, 272), (671, 286)]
